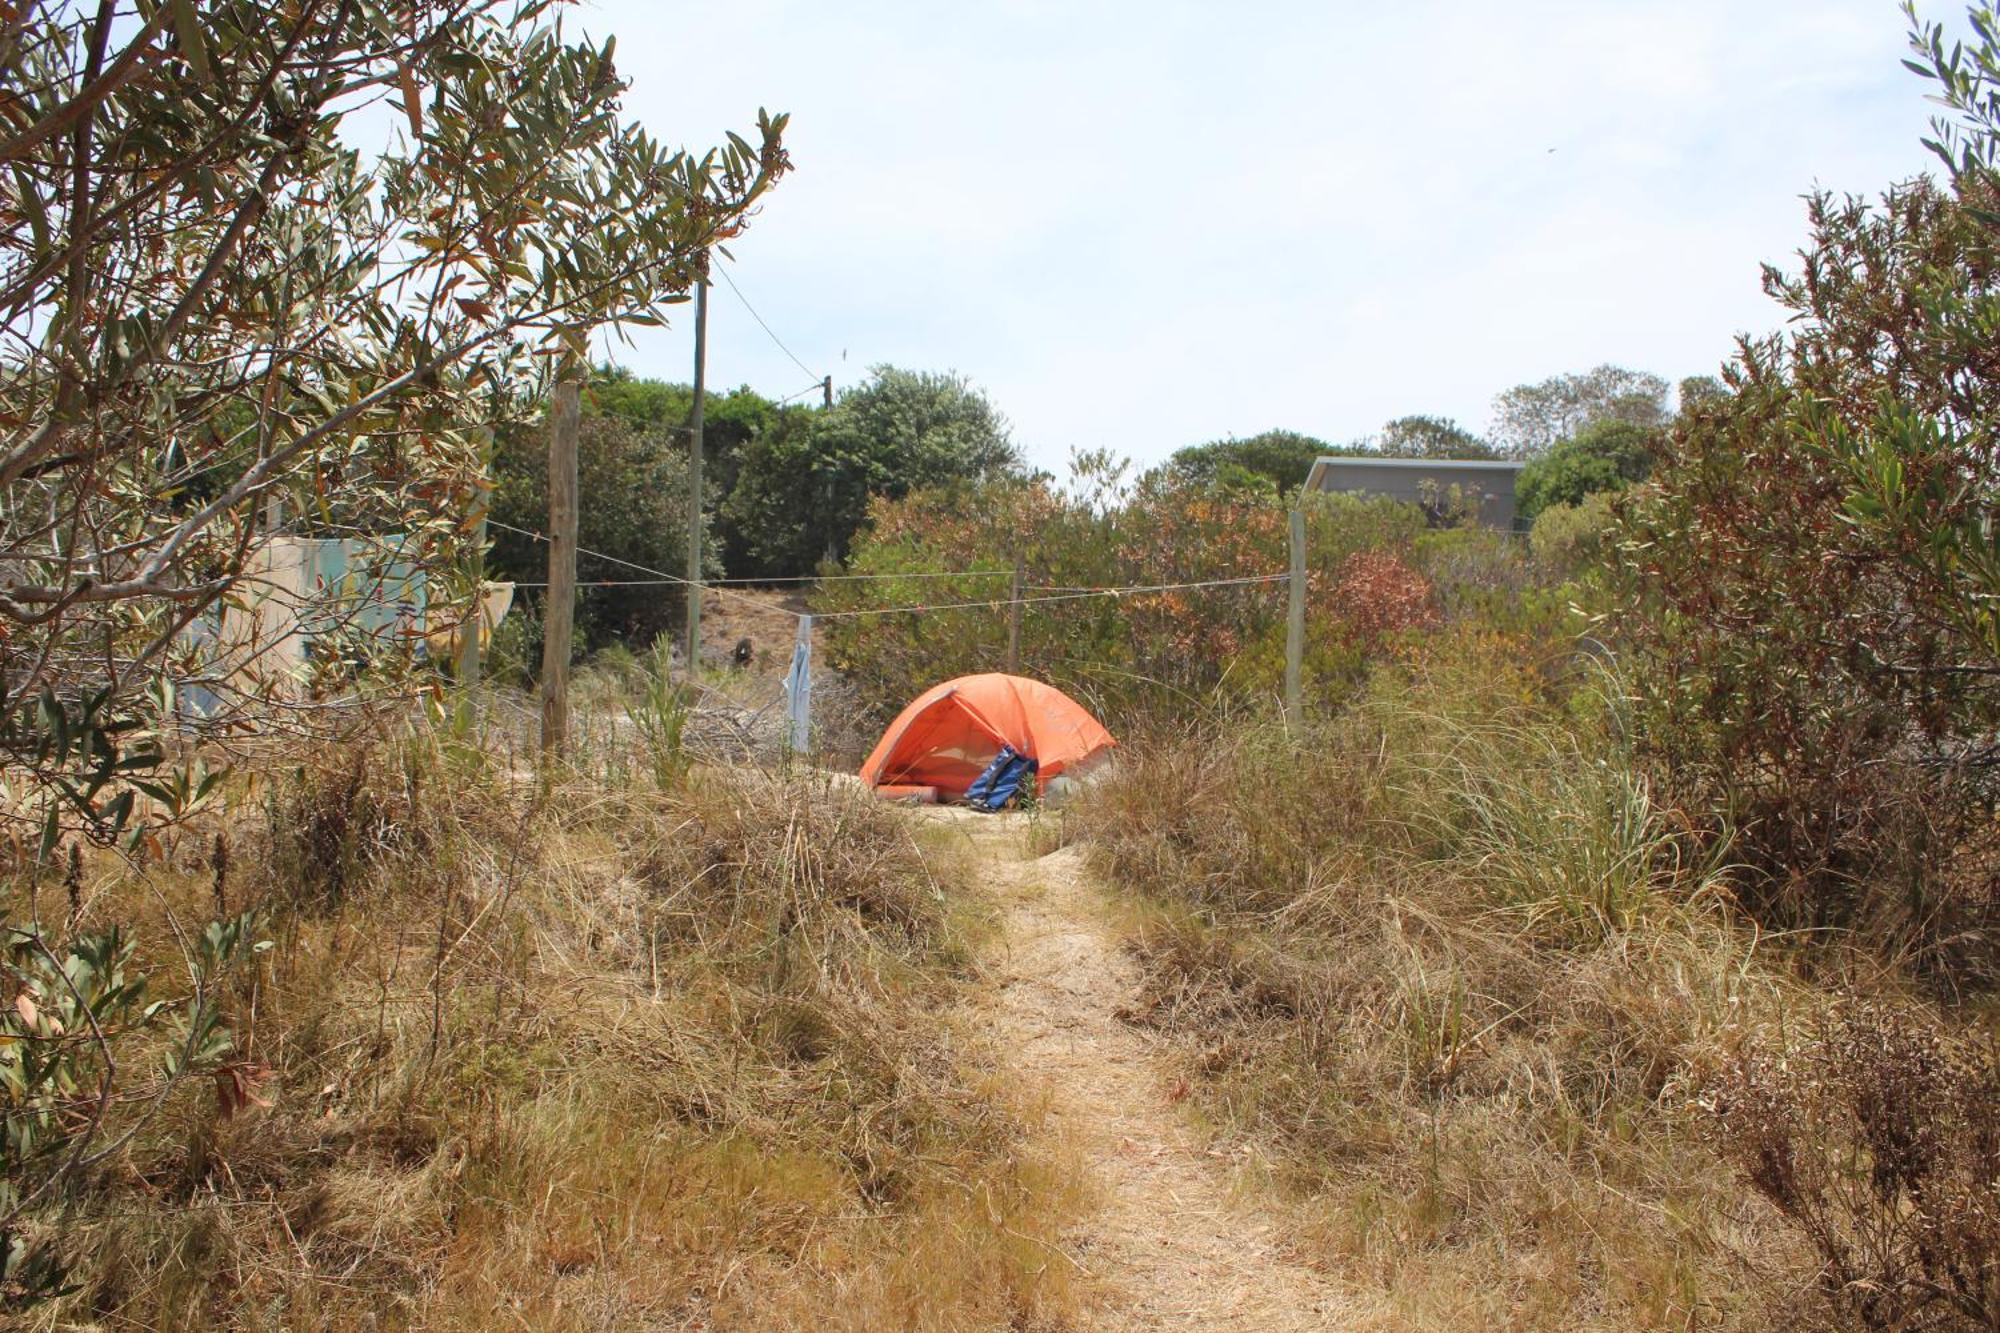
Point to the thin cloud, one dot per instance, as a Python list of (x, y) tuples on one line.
[(1143, 226)]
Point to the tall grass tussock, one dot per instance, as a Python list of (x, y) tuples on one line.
[(562, 1052), (1487, 1010)]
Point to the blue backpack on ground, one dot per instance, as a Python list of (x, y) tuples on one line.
[(1001, 782)]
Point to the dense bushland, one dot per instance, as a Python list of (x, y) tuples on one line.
[(1453, 970), (1448, 963), (1377, 574)]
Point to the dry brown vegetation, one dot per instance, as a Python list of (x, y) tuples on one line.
[(1446, 962), (563, 1053)]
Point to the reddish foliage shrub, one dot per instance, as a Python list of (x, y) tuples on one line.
[(1378, 594), (1138, 654)]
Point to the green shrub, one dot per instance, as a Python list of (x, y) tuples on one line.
[(1604, 456), (1377, 579), (634, 480), (1805, 678), (804, 492), (1574, 539), (660, 715)]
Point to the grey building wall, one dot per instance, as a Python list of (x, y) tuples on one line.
[(1409, 479)]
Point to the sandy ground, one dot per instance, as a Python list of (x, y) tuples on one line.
[(1168, 1247)]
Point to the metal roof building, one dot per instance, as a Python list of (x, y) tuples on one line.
[(1425, 481)]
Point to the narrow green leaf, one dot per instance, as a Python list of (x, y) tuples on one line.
[(193, 45)]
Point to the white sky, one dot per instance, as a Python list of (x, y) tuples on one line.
[(1142, 226)]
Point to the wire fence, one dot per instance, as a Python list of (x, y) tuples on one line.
[(1041, 596)]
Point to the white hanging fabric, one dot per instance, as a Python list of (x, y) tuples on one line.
[(798, 689)]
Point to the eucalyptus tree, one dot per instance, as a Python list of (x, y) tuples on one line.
[(1430, 437), (1531, 419), (804, 490), (1274, 459), (281, 266), (1607, 455)]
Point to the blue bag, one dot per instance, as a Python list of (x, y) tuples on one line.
[(1001, 782)]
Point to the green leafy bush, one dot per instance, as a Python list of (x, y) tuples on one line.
[(1160, 651), (1575, 537), (1603, 456), (803, 494), (238, 321), (635, 478), (1277, 460), (1804, 673)]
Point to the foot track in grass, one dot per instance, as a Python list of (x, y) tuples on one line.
[(1168, 1248)]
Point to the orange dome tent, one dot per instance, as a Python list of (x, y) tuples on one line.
[(950, 732)]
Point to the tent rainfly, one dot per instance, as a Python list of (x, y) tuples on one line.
[(949, 734)]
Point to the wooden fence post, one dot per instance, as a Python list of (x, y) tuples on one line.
[(1295, 626), (1014, 618), (469, 651), (560, 614)]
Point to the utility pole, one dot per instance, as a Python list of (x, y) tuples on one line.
[(826, 487), (564, 414), (694, 478), (1014, 619), (1295, 626)]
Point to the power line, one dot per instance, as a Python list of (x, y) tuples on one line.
[(661, 575), (762, 325), (814, 387), (868, 578)]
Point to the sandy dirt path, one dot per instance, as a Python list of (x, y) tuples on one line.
[(1168, 1248)]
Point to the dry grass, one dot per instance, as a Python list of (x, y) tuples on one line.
[(1454, 972), (579, 1050), (572, 1053)]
